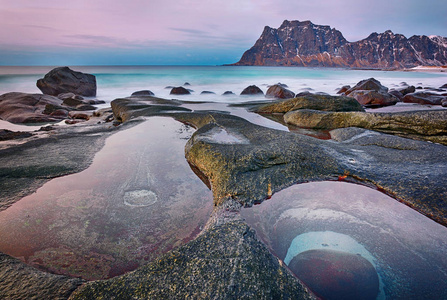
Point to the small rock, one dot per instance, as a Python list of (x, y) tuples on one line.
[(13, 135), (343, 89), (443, 86), (252, 90), (186, 84), (179, 91), (64, 96), (207, 92), (397, 94), (72, 102), (142, 93), (407, 90), (368, 84), (279, 92), (226, 93), (85, 107), (79, 116)]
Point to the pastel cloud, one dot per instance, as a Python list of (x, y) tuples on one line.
[(212, 25)]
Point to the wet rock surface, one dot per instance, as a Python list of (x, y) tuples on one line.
[(64, 80), (243, 164), (355, 220), (275, 159), (422, 125), (227, 261), (19, 281)]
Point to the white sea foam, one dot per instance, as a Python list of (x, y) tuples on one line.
[(121, 81)]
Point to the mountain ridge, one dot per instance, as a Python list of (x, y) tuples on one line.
[(306, 44)]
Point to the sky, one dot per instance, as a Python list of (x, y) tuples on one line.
[(187, 32)]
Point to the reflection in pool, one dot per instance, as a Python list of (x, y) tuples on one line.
[(338, 219), (137, 200)]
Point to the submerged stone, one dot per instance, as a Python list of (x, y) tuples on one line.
[(336, 275)]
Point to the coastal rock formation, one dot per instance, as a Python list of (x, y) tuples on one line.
[(297, 43), (421, 125), (64, 80), (253, 162), (227, 261), (279, 92), (29, 108)]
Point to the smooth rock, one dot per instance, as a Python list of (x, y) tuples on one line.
[(370, 84), (252, 90), (226, 261), (179, 91), (370, 98), (64, 80), (310, 101), (28, 108), (424, 98), (343, 89), (142, 93), (407, 90), (207, 93), (226, 93), (279, 92), (422, 125)]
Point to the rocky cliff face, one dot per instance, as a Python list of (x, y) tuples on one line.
[(297, 43)]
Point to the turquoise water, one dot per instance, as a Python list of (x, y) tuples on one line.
[(121, 81)]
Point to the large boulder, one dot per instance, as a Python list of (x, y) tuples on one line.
[(29, 108), (279, 92), (252, 90), (424, 98), (64, 80), (334, 274)]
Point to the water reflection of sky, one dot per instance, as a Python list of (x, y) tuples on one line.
[(137, 200), (406, 248)]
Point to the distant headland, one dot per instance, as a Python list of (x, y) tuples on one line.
[(305, 44)]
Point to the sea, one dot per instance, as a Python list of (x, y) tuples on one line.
[(121, 81)]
